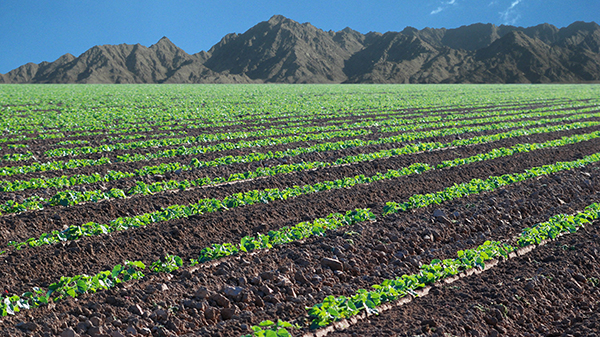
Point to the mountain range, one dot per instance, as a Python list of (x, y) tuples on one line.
[(282, 50)]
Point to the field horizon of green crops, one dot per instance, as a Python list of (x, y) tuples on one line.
[(45, 108)]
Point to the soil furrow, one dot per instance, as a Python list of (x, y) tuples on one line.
[(493, 215), (519, 297), (186, 237), (34, 223), (209, 155), (227, 170)]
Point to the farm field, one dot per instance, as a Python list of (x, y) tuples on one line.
[(302, 210)]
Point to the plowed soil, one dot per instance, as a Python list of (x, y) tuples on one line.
[(551, 291)]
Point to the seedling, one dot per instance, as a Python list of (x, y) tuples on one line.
[(271, 329)]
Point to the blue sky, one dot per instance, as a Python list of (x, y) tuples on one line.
[(36, 31)]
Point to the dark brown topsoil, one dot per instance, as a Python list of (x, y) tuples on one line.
[(29, 224), (278, 283), (552, 291), (186, 237)]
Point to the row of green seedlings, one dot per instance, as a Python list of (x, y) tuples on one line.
[(223, 146), (60, 135), (58, 165), (334, 309), (75, 163), (421, 123), (38, 183), (53, 166), (210, 205), (109, 139), (16, 146), (46, 136), (121, 137), (69, 197), (139, 136), (81, 284)]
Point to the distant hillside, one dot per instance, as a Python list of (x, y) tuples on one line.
[(284, 51)]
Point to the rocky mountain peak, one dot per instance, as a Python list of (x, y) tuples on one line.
[(164, 43)]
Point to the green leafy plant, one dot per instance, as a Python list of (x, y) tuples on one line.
[(271, 329), (285, 235), (337, 308), (169, 264), (476, 186)]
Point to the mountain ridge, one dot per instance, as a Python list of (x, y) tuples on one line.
[(281, 50)]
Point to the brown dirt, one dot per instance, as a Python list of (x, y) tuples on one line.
[(404, 237), (280, 282), (552, 291)]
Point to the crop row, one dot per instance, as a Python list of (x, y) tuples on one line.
[(52, 166), (210, 205), (420, 123), (130, 133), (73, 286), (334, 309), (69, 197), (58, 165)]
